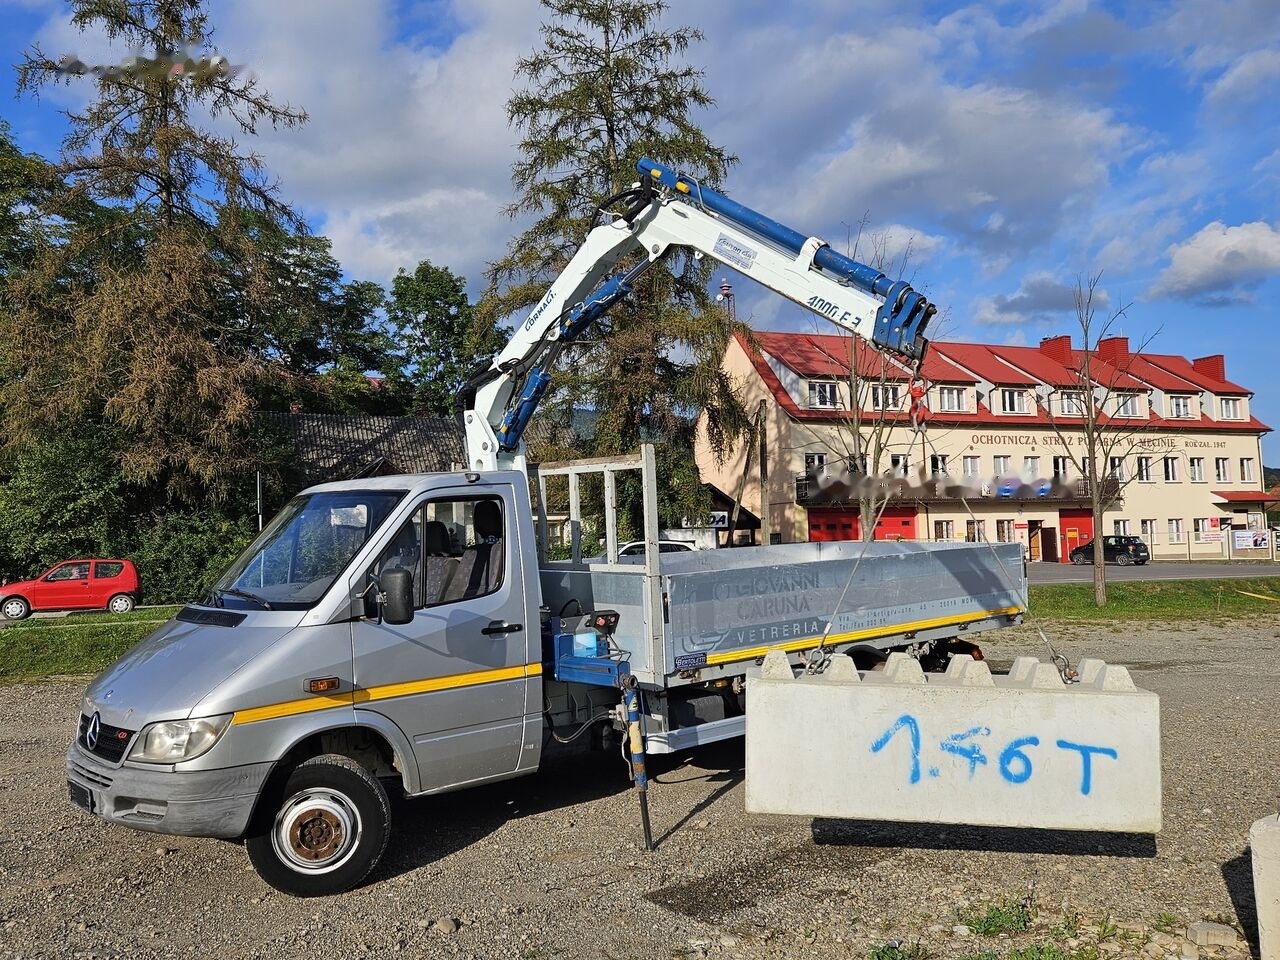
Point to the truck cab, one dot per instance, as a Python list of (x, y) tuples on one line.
[(272, 707)]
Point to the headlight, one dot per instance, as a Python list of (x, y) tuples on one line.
[(173, 741)]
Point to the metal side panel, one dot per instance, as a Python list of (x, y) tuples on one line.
[(730, 605), (669, 741), (962, 747)]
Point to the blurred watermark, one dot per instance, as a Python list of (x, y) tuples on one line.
[(184, 64)]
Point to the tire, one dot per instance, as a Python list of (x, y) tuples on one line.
[(120, 603), (15, 608), (1124, 560), (329, 827), (1079, 559)]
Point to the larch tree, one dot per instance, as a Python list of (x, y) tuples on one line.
[(144, 342), (606, 87)]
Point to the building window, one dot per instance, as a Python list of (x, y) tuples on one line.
[(1195, 469), (899, 464), (1117, 468), (1013, 401), (1061, 469), (975, 531), (1120, 528), (1148, 531), (1086, 468), (1171, 471), (1230, 408), (951, 399), (1002, 464), (1180, 407), (815, 463), (938, 464), (823, 395), (1246, 470), (1144, 469), (1175, 531), (884, 396), (1071, 403), (1222, 469), (972, 465), (1031, 468), (1127, 405), (944, 530), (1004, 531), (1200, 529)]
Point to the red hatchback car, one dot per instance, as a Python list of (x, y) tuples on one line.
[(74, 585)]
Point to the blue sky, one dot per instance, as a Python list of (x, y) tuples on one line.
[(1012, 147)]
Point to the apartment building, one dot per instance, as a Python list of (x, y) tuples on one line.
[(1002, 456)]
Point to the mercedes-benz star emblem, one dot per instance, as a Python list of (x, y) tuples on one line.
[(91, 732)]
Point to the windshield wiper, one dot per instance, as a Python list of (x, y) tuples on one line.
[(243, 594)]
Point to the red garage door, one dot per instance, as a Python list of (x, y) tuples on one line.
[(1077, 530), (835, 523)]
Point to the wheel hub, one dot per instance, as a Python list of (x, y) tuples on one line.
[(317, 830), (316, 834)]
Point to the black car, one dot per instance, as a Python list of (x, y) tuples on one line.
[(1121, 550)]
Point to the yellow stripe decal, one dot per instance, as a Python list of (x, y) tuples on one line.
[(386, 692), (755, 653)]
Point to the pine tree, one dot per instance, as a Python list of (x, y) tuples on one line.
[(606, 88), (144, 342)]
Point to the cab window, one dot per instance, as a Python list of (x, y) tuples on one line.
[(106, 570), (455, 549)]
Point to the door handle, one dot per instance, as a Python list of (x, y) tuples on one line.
[(500, 627)]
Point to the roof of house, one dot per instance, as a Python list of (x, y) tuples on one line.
[(339, 447), (1053, 363), (1245, 496)]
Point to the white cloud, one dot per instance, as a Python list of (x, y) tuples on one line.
[(1041, 299), (1220, 264), (1246, 79)]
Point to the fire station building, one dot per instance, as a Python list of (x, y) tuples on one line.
[(1002, 453)]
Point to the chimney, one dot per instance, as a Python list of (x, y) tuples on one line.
[(1057, 348), (1113, 350), (1213, 366)]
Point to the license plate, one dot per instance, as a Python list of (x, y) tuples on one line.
[(82, 797)]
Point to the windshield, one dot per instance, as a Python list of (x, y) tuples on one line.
[(299, 554)]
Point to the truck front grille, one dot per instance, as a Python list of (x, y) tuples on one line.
[(112, 741), (91, 776)]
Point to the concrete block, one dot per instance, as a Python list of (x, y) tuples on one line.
[(1204, 933), (1023, 750), (1264, 842)]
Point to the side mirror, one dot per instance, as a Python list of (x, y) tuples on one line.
[(397, 591)]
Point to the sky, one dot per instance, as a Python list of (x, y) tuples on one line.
[(1005, 150)]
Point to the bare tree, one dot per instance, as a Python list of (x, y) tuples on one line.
[(1097, 418)]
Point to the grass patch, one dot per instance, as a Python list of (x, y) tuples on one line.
[(1041, 951), (893, 950), (79, 643), (984, 955), (1007, 916), (1156, 599)]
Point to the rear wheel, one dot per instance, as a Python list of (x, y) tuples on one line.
[(329, 826), (120, 603), (15, 608), (1124, 559)]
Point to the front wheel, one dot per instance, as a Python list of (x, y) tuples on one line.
[(15, 608), (1079, 559), (120, 603), (330, 826)]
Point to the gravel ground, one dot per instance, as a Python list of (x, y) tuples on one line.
[(551, 866)]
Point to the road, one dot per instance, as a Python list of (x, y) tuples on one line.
[(1069, 573)]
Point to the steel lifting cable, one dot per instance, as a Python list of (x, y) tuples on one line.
[(1059, 660)]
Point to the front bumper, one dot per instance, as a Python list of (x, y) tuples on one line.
[(197, 803)]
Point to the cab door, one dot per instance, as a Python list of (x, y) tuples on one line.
[(455, 678), (65, 587)]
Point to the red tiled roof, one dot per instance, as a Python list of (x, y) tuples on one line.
[(1142, 368), (1245, 496), (827, 355), (981, 360), (1181, 367)]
